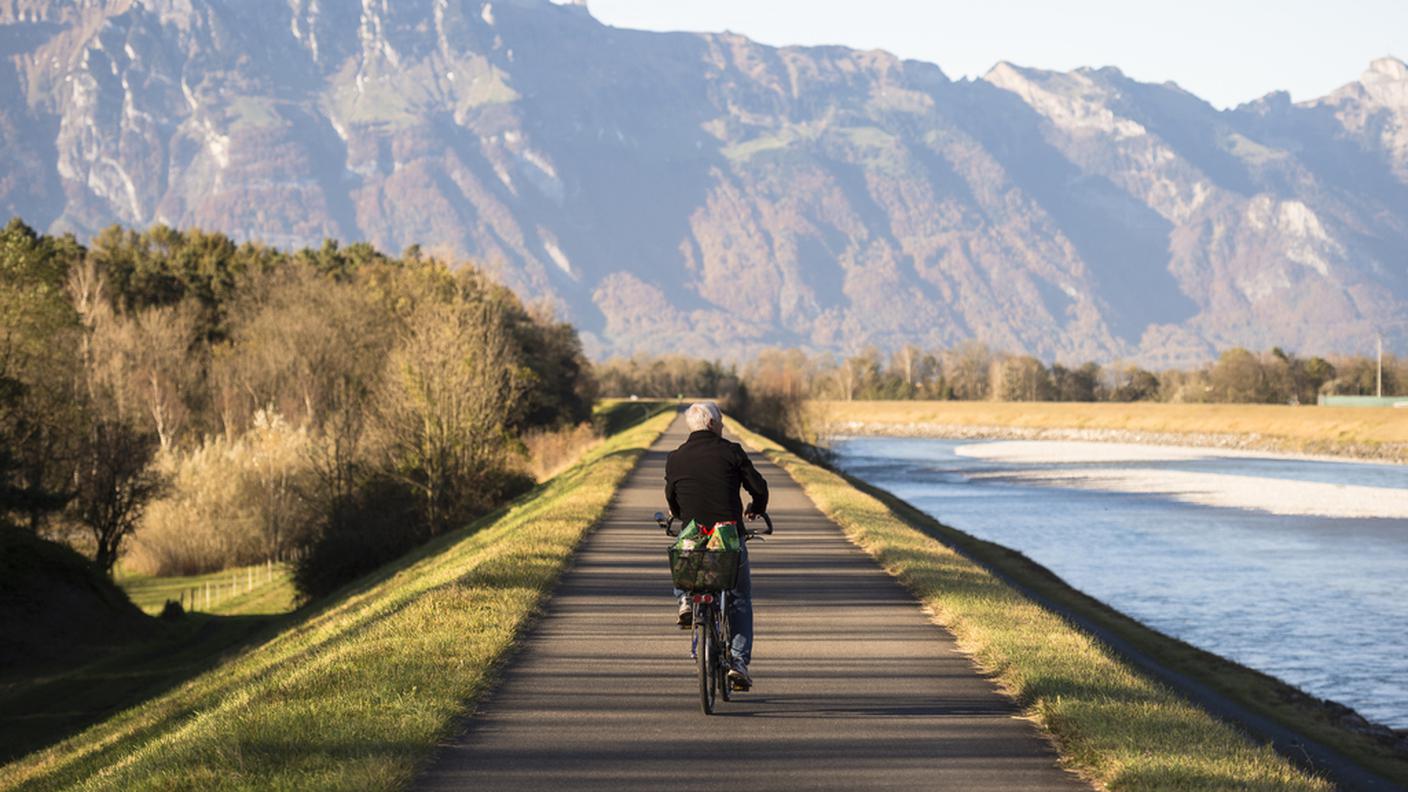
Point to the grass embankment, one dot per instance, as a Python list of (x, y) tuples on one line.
[(356, 694), (1377, 432), (1110, 723), (257, 590)]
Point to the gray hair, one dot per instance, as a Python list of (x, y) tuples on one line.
[(701, 414)]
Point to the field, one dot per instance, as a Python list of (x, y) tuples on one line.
[(259, 590), (1372, 432), (355, 692)]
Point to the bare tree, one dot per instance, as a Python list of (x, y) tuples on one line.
[(1020, 378), (114, 480), (967, 366), (303, 350), (846, 376), (906, 359), (162, 373), (445, 403)]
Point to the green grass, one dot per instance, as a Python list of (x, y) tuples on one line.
[(271, 592), (355, 694), (1109, 722)]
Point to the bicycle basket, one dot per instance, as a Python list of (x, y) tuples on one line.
[(703, 570)]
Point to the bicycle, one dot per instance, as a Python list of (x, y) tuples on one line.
[(711, 642)]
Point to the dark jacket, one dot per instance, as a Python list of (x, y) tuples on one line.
[(702, 478)]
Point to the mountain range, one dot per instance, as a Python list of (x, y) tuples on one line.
[(706, 194)]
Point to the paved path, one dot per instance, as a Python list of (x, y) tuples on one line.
[(854, 687)]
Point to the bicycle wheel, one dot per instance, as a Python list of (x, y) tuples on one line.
[(725, 657), (708, 661)]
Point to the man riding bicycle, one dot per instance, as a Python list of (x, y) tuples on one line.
[(702, 478)]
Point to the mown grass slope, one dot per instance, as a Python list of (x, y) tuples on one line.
[(1110, 723), (356, 694), (1366, 431)]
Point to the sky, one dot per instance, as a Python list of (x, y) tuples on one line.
[(1225, 51)]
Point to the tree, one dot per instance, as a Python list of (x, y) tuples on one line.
[(153, 366), (1075, 385), (1318, 372), (447, 398), (114, 480), (1239, 377), (277, 458), (561, 389), (1021, 378), (39, 420), (114, 484), (966, 369), (1133, 383)]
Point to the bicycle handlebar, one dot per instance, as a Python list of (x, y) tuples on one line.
[(667, 522)]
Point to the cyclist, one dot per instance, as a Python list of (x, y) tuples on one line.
[(702, 478)]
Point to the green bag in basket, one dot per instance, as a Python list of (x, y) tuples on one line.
[(706, 557), (714, 536)]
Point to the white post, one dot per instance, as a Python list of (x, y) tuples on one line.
[(1381, 366)]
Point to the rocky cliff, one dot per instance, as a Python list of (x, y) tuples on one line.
[(707, 194)]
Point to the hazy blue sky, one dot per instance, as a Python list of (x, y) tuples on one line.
[(1226, 51)]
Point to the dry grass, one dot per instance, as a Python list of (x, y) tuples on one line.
[(1361, 431), (551, 452), (356, 694), (1110, 723)]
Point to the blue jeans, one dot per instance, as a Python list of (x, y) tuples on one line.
[(740, 609)]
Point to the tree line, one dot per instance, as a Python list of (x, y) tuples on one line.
[(192, 403), (973, 371)]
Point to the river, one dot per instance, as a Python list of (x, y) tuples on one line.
[(1295, 567)]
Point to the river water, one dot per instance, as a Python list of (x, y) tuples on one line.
[(1294, 567)]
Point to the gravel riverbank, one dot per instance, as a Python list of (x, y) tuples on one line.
[(1330, 449)]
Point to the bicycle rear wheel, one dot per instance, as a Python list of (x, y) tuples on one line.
[(725, 656), (708, 661)]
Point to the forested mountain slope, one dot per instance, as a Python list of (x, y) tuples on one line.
[(709, 194)]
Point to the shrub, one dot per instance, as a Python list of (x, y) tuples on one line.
[(549, 452), (229, 503), (377, 523)]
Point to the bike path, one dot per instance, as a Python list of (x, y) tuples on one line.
[(854, 686)]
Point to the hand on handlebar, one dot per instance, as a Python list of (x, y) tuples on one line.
[(667, 522), (752, 515)]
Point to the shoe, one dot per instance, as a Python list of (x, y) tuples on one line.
[(738, 677), (686, 615)]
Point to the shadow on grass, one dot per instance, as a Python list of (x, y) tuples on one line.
[(40, 706)]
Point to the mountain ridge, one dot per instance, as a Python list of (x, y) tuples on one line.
[(700, 191)]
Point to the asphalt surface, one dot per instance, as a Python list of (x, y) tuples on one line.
[(854, 686)]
